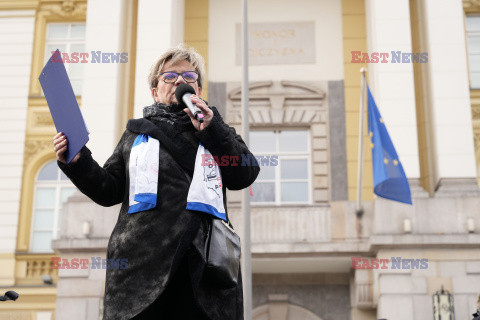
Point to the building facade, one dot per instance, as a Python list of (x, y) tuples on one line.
[(312, 257)]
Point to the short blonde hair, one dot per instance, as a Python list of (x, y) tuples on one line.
[(176, 54)]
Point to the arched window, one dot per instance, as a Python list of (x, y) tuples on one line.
[(282, 311), (52, 189)]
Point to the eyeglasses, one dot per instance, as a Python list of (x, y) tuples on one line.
[(171, 77)]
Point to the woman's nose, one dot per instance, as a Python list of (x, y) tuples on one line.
[(180, 80)]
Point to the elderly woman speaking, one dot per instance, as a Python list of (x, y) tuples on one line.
[(150, 173)]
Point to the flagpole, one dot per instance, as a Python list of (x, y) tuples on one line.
[(246, 250), (359, 208)]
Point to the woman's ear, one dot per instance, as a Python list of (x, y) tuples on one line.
[(154, 92)]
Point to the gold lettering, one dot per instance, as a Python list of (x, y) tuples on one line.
[(278, 34), (276, 51)]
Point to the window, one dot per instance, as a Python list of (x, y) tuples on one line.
[(52, 189), (68, 38), (473, 44), (287, 180)]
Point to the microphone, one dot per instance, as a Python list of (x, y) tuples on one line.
[(183, 94)]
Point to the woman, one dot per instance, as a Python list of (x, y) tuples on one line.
[(476, 315), (164, 245)]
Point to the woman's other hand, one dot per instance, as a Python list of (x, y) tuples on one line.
[(60, 145)]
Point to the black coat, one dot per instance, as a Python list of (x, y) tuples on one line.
[(155, 241)]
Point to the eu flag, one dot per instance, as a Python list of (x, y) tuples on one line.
[(389, 180)]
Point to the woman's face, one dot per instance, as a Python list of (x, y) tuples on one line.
[(165, 92)]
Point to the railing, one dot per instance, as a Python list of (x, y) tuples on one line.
[(283, 225), (30, 268)]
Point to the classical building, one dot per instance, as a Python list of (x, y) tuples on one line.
[(312, 257)]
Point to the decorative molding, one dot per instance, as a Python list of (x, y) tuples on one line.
[(476, 143), (282, 311), (40, 125), (65, 9), (285, 89), (42, 119), (33, 147), (361, 286), (284, 102), (476, 136), (475, 107), (18, 4), (475, 112), (471, 6)]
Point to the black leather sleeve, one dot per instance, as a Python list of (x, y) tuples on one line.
[(238, 166), (105, 186)]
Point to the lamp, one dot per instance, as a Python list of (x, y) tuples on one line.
[(87, 228), (470, 225), (443, 306), (47, 279), (407, 225)]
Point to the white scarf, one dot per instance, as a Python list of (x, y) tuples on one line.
[(143, 169), (205, 193)]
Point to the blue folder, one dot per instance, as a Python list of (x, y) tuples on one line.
[(63, 105)]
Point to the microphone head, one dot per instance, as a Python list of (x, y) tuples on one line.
[(181, 90)]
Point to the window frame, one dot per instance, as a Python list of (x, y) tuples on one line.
[(67, 42), (58, 185), (307, 155), (467, 35)]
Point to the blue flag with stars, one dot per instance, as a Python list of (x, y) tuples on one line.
[(389, 180)]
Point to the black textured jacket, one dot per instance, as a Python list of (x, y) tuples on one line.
[(155, 241)]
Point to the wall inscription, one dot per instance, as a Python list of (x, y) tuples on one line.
[(278, 43)]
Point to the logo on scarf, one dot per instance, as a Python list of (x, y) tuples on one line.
[(214, 182)]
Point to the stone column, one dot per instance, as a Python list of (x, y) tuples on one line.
[(101, 94), (160, 27), (15, 62), (391, 83), (448, 96)]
